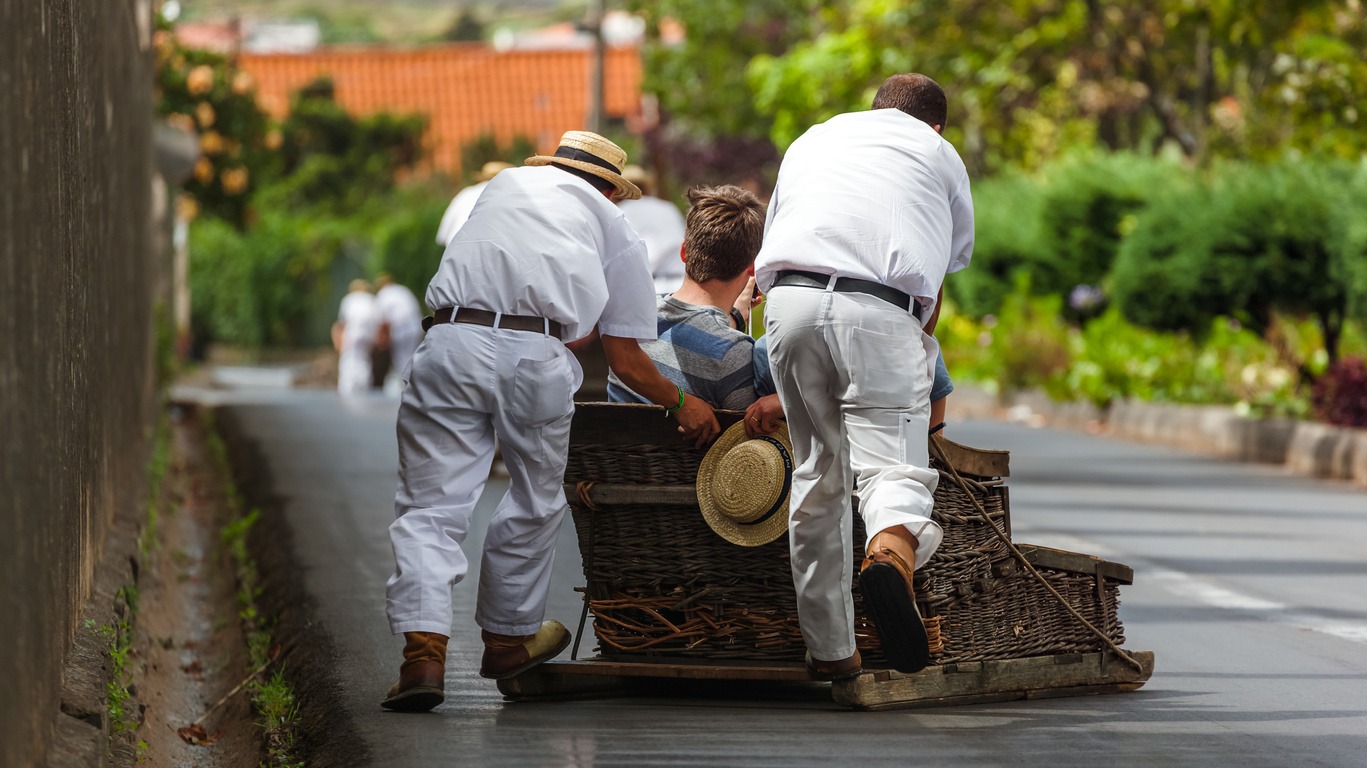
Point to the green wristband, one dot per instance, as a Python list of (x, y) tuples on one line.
[(677, 408)]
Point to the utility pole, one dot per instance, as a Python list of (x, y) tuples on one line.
[(597, 9)]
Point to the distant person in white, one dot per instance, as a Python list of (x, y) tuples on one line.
[(353, 336), (661, 226), (400, 324), (544, 258), (459, 209), (870, 211)]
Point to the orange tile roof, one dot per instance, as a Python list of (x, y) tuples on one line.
[(465, 89)]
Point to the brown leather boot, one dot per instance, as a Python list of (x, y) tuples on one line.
[(834, 670), (422, 675), (508, 656), (885, 583)]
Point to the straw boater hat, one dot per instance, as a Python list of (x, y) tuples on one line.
[(492, 169), (743, 485), (638, 176), (593, 154)]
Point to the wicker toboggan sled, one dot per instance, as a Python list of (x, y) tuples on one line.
[(669, 598)]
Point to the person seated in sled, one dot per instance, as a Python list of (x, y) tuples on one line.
[(704, 346)]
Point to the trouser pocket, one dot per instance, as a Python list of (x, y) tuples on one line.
[(542, 391)]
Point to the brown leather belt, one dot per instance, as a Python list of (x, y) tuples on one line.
[(494, 320)]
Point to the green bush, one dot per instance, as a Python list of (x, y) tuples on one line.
[(486, 147), (1086, 206), (1006, 213), (1349, 243), (1159, 280), (1024, 346), (260, 287), (1254, 242), (1062, 229), (1028, 345), (405, 243)]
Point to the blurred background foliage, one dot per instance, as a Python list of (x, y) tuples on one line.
[(1170, 195)]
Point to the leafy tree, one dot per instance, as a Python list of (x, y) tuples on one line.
[(710, 128), (403, 240), (205, 94), (333, 160), (1028, 80), (468, 27)]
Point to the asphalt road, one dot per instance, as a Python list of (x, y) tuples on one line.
[(1250, 586)]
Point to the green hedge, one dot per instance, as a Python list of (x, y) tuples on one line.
[(1006, 244), (1251, 242), (1176, 248), (279, 282), (1060, 229), (405, 243)]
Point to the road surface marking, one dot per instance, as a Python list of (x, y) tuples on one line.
[(1216, 595)]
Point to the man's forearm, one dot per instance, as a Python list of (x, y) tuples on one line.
[(636, 370), (934, 320)]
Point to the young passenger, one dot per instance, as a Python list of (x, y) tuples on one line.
[(703, 346)]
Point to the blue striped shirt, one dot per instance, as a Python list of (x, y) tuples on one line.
[(700, 352)]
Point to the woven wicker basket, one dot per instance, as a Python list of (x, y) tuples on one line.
[(660, 582)]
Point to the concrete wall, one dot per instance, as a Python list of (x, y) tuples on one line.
[(76, 376)]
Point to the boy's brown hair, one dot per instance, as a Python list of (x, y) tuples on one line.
[(723, 231)]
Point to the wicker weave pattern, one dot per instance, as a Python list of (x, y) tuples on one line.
[(661, 582), (633, 464), (1016, 617)]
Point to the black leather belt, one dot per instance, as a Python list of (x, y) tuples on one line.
[(494, 320), (804, 279)]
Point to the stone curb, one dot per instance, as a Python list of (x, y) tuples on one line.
[(1305, 447)]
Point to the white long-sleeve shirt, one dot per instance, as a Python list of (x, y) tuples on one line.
[(545, 243), (875, 195)]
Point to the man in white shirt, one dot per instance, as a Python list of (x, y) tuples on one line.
[(400, 326), (353, 336), (661, 226), (870, 212), (544, 258), (460, 206)]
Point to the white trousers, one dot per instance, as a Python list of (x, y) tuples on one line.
[(853, 377), (401, 349), (467, 385), (353, 367)]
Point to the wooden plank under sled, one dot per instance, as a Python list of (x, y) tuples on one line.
[(950, 684), (980, 682), (605, 677)]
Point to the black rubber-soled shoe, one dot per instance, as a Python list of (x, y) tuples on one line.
[(421, 699), (901, 633)]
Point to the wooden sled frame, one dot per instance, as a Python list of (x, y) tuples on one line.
[(954, 683)]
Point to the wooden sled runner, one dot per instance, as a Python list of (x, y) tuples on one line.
[(670, 599)]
